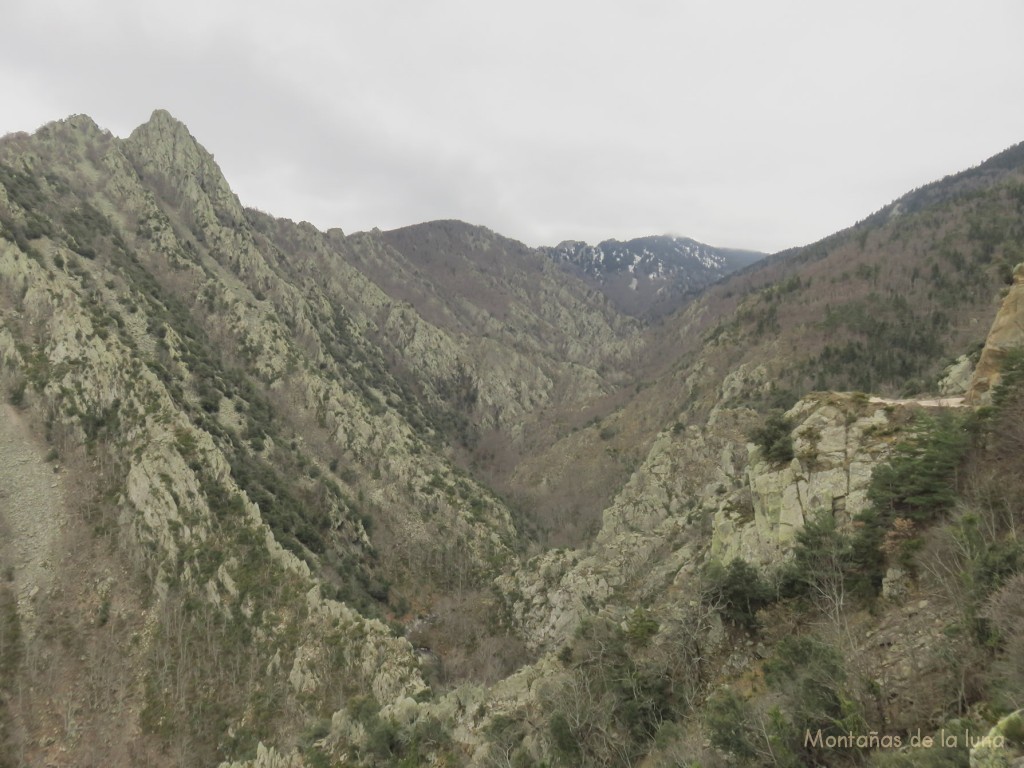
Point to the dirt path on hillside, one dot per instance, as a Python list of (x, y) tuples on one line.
[(32, 514), (938, 402)]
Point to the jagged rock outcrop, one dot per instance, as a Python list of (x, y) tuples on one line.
[(838, 439), (956, 379), (168, 158), (145, 324), (1006, 334)]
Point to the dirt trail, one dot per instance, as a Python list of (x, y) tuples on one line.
[(937, 402), (32, 513)]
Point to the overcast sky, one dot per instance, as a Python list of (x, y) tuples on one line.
[(750, 124)]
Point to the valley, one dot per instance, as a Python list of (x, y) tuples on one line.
[(272, 496)]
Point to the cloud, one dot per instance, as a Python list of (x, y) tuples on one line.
[(740, 123)]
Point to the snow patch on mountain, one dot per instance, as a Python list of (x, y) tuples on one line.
[(658, 271)]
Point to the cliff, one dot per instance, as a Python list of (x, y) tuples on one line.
[(1005, 336)]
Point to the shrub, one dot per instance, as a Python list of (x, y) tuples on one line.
[(738, 591), (919, 482), (917, 485), (562, 739), (1005, 610), (728, 720), (867, 560), (11, 649), (775, 438), (821, 560), (809, 677), (16, 396), (640, 627), (382, 739), (619, 689)]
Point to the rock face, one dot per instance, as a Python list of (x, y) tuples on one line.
[(837, 441), (1006, 334), (32, 512), (957, 377)]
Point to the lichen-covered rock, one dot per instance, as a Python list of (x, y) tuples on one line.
[(188, 351), (268, 757), (895, 584), (957, 377), (653, 534), (128, 334), (837, 441)]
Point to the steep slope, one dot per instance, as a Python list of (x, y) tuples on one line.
[(272, 446), (486, 335), (446, 297), (1004, 338), (237, 438), (649, 277)]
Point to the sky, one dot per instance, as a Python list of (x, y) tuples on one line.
[(742, 123)]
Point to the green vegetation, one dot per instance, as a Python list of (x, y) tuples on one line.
[(820, 566), (24, 190), (729, 723), (85, 227), (304, 517), (919, 481), (389, 743), (945, 507), (275, 384), (737, 591), (775, 438), (809, 686), (16, 393), (12, 652), (203, 674), (891, 342), (620, 688), (917, 487), (810, 678)]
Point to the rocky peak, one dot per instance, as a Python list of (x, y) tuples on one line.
[(163, 151), (168, 143), (80, 123), (73, 131)]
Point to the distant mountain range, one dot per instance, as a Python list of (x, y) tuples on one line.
[(649, 276)]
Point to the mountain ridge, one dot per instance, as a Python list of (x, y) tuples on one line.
[(650, 276), (315, 483)]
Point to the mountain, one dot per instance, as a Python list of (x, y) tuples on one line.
[(262, 420), (271, 496), (649, 276)]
